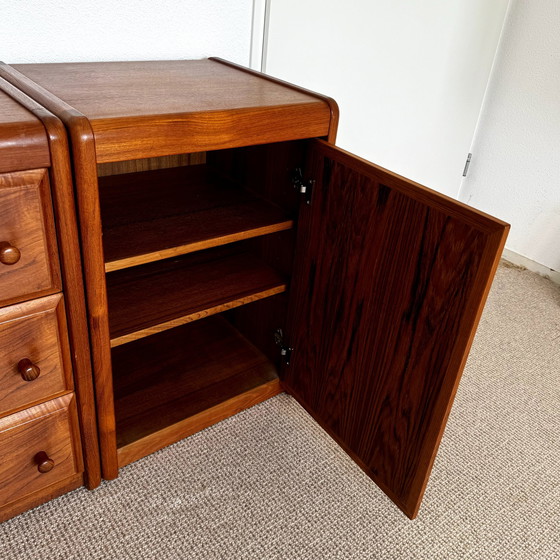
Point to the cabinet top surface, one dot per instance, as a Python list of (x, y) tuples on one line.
[(108, 90), (12, 115), (23, 140)]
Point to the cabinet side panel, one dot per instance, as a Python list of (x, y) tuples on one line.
[(388, 287)]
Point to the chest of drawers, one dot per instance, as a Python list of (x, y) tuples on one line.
[(231, 251), (43, 334)]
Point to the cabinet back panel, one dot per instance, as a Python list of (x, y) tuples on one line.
[(148, 164)]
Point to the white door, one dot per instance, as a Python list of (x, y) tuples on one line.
[(409, 75)]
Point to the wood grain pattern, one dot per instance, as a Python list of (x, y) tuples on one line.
[(333, 105), (85, 176), (159, 296), (266, 170), (41, 496), (69, 250), (149, 164), (259, 321), (124, 138), (83, 150), (155, 215), (34, 330), (23, 142), (26, 222), (178, 382), (189, 106), (198, 422), (49, 427), (388, 288), (231, 108)]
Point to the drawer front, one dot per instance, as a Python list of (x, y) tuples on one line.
[(28, 253), (39, 448), (34, 359)]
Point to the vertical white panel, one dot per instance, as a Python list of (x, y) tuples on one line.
[(515, 172), (409, 76), (258, 32)]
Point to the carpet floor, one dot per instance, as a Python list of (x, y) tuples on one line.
[(270, 484)]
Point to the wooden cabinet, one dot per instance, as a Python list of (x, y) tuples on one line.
[(45, 378), (232, 251)]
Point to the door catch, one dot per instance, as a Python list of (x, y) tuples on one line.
[(285, 351), (302, 185)]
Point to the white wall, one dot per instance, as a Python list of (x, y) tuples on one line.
[(515, 170), (409, 75), (89, 30)]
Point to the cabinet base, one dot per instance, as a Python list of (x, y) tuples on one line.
[(158, 440), (40, 497)]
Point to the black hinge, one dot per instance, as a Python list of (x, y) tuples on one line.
[(285, 351), (303, 186)]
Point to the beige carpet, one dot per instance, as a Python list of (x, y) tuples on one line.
[(269, 484)]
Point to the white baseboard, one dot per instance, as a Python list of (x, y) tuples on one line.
[(524, 262)]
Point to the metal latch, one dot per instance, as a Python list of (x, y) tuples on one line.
[(467, 164), (285, 351), (303, 186)]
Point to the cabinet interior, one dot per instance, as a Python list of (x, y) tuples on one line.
[(198, 256)]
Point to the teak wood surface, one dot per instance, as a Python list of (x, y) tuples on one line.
[(23, 142), (49, 427), (41, 496), (162, 295), (146, 109), (389, 281), (262, 391), (84, 170), (26, 222), (60, 174), (35, 330), (167, 384), (275, 112), (388, 287)]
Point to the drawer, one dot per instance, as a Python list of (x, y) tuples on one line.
[(39, 447), (28, 253), (34, 358)]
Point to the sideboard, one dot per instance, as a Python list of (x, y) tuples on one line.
[(231, 251)]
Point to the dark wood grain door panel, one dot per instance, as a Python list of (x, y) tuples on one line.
[(389, 284)]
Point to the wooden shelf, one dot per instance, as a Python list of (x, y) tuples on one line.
[(180, 381), (158, 296), (153, 215)]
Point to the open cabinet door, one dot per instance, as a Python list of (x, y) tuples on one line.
[(389, 284)]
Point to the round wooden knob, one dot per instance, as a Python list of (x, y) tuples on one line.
[(8, 253), (28, 370), (44, 463)]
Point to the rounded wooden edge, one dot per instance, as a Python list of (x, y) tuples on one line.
[(333, 105)]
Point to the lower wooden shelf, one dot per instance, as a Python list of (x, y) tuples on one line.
[(175, 383)]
